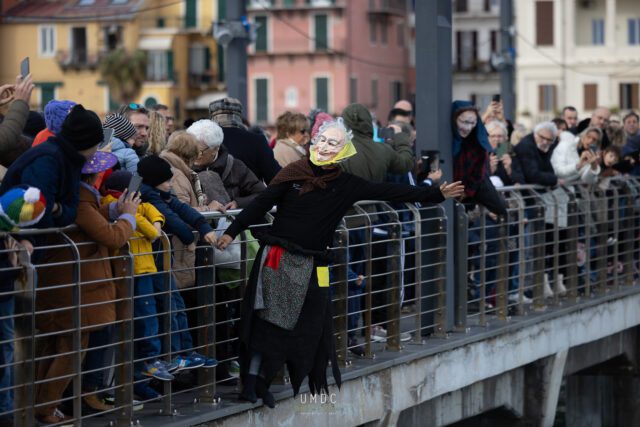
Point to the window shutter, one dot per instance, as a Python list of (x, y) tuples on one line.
[(590, 96), (47, 93), (634, 95), (321, 36), (190, 14), (322, 93), (221, 65), (544, 23), (222, 9), (170, 65), (353, 90), (261, 34), (540, 97), (261, 100)]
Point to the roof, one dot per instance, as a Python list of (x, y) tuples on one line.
[(55, 10)]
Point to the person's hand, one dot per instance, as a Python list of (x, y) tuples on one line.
[(56, 208), (24, 87), (27, 245), (359, 280), (453, 190), (396, 128), (215, 205), (507, 161), (435, 176), (158, 227), (231, 205), (191, 247), (493, 216), (224, 241), (493, 163), (12, 247), (106, 148), (130, 204), (210, 237), (560, 182), (6, 94), (595, 161)]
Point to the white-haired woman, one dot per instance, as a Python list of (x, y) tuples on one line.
[(286, 313), (239, 184), (577, 157), (501, 163)]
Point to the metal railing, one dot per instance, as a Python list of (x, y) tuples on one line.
[(388, 285)]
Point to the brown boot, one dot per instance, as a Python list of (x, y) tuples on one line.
[(56, 418), (96, 404)]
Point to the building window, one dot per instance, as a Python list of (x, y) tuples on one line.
[(199, 65), (86, 2), (373, 29), (47, 93), (487, 5), (261, 100), (191, 14), (634, 31), (384, 31), (261, 44), (466, 50), (321, 32), (547, 98), (353, 90), (79, 45), (396, 91), (288, 3), (462, 6), (590, 91), (159, 64), (400, 35), (374, 93), (597, 31), (322, 93), (47, 42), (495, 41), (544, 23), (112, 37), (629, 96)]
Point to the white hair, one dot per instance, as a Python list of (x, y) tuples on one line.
[(496, 124), (338, 124), (550, 126), (208, 132)]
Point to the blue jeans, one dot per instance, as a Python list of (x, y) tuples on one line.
[(7, 308), (96, 361), (146, 321), (180, 339)]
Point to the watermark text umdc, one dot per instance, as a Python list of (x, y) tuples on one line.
[(322, 399)]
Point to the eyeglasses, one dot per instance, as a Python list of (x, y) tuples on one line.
[(304, 131), (135, 106), (544, 138)]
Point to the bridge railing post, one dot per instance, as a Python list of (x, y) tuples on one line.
[(461, 239)]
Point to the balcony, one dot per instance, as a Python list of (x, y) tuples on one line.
[(77, 60), (202, 80), (168, 23), (387, 7), (287, 5)]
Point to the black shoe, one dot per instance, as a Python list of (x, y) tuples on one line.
[(354, 348), (262, 391), (248, 392)]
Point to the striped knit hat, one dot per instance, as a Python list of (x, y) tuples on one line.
[(123, 129), (21, 207)]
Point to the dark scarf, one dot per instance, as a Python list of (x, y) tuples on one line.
[(302, 170)]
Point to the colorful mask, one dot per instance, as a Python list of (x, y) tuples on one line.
[(466, 122), (332, 144)]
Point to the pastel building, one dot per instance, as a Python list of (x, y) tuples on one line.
[(326, 54)]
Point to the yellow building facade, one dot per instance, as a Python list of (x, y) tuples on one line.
[(65, 43)]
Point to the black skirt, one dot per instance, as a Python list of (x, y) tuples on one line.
[(306, 350)]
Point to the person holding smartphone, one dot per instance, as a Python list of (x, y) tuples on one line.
[(17, 96)]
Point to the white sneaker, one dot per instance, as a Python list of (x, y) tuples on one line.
[(547, 292), (378, 334), (514, 299), (561, 290), (405, 336)]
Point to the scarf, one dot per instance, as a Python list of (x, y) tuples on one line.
[(312, 178)]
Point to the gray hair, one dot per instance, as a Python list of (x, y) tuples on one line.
[(208, 132), (550, 126), (496, 124), (338, 124)]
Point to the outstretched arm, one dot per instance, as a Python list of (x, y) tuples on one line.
[(405, 193)]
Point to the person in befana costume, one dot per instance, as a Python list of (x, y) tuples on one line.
[(286, 312)]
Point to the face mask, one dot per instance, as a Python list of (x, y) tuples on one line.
[(330, 147)]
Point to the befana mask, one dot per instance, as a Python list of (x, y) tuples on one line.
[(332, 144)]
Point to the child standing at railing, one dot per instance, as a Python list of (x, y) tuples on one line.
[(146, 326), (19, 208), (180, 220)]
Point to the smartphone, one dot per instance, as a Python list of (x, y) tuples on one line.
[(501, 150), (24, 67), (134, 184), (108, 133), (496, 98), (593, 148), (430, 160)]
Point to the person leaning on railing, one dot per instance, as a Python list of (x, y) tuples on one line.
[(94, 238)]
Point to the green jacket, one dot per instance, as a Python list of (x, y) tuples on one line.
[(11, 130), (374, 160)]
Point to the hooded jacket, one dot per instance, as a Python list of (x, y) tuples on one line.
[(374, 160), (11, 128), (127, 157)]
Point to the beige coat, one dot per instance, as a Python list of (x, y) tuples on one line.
[(286, 151)]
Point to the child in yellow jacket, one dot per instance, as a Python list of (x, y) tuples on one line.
[(149, 223)]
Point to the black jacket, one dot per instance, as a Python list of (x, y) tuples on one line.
[(536, 165), (253, 150)]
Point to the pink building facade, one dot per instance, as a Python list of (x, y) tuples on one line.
[(326, 54)]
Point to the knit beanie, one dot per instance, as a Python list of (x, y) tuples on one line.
[(123, 129), (225, 106), (82, 128), (21, 207), (118, 180), (154, 170), (55, 112), (34, 124)]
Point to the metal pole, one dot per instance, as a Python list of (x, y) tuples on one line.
[(236, 58), (433, 98), (507, 74)]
